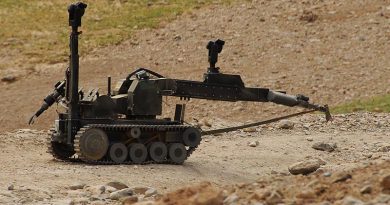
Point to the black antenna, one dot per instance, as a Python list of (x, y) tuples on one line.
[(76, 12)]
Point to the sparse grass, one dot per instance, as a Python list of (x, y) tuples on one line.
[(375, 104), (38, 29)]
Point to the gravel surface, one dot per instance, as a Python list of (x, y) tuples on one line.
[(31, 176)]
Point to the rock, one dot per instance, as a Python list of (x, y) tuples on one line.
[(77, 186), (341, 177), (117, 185), (324, 146), (304, 167), (274, 198), (366, 189), (129, 200), (349, 200), (327, 174), (11, 187), (286, 124), (253, 144), (308, 16), (206, 123), (249, 129), (385, 183), (150, 192), (306, 194), (177, 38), (110, 189), (384, 148), (310, 139), (99, 189), (232, 199), (121, 193), (9, 79)]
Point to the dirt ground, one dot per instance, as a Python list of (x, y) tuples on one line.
[(222, 160), (333, 51)]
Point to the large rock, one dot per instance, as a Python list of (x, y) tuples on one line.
[(121, 193), (324, 146), (304, 167)]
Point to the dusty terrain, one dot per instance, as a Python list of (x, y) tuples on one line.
[(222, 160), (333, 51)]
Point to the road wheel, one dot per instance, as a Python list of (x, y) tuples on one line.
[(92, 144), (118, 152), (158, 151), (177, 153), (138, 153), (191, 137)]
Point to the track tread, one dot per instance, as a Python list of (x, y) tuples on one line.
[(107, 161)]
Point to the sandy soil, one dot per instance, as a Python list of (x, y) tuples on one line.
[(222, 160)]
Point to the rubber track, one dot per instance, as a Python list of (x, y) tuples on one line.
[(53, 153), (110, 127)]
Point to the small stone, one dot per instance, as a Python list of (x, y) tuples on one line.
[(110, 189), (205, 122), (254, 144), (368, 155), (308, 16), (310, 139), (177, 38), (286, 124), (11, 187), (307, 194), (349, 200), (232, 199), (249, 129), (150, 192), (304, 167), (324, 146), (366, 189), (117, 185), (180, 59), (8, 79), (99, 189), (385, 183), (129, 200), (341, 177), (327, 174), (121, 193), (77, 186)]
